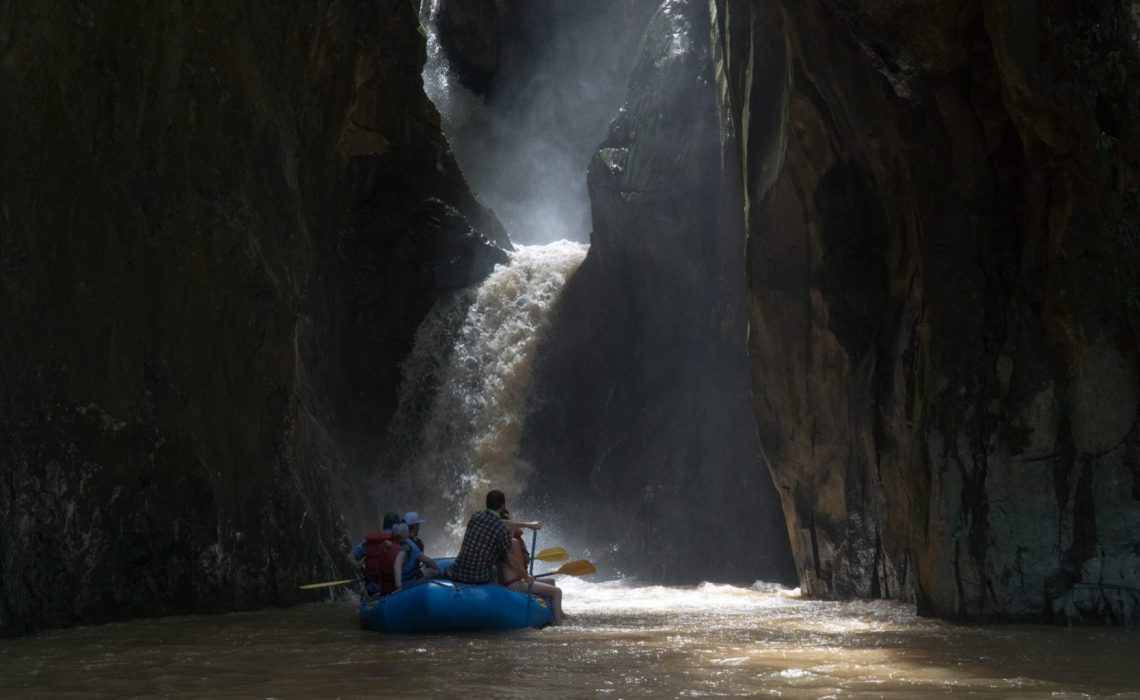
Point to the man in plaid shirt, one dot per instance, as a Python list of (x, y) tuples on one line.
[(485, 543)]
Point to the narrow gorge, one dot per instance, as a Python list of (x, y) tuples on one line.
[(848, 298)]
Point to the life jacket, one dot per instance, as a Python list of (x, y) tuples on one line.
[(380, 560)]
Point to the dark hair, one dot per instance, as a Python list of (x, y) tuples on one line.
[(496, 499), (390, 519)]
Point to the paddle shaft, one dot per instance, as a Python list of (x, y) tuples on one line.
[(327, 584), (530, 586)]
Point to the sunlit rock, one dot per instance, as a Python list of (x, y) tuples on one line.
[(943, 296)]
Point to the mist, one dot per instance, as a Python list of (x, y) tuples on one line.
[(525, 145)]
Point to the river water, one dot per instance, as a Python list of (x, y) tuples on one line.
[(623, 641)]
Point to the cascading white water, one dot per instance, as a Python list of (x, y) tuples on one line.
[(455, 104), (466, 383)]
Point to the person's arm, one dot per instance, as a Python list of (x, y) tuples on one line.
[(428, 561), (355, 558), (398, 567), (535, 525)]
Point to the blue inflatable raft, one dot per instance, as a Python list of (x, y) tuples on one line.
[(443, 605)]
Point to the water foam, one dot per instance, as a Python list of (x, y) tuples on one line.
[(467, 380)]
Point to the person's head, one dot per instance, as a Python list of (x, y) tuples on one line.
[(400, 532), (496, 500), (413, 519), (390, 519)]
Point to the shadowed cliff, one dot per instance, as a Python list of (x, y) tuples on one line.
[(943, 213), (219, 229)]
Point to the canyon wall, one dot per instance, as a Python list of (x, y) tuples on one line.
[(943, 216), (643, 430), (220, 226)]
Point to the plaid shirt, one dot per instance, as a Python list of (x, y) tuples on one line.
[(485, 546)]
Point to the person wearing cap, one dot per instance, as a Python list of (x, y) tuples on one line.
[(413, 519), (411, 566), (356, 557)]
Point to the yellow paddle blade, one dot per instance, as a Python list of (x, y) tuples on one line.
[(326, 584), (552, 554), (579, 567)]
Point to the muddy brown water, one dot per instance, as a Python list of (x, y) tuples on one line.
[(623, 641)]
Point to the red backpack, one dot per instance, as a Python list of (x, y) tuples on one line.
[(379, 560)]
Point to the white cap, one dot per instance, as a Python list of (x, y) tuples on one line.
[(412, 518)]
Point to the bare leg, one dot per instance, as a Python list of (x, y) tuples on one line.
[(544, 590)]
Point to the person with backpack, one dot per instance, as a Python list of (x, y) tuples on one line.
[(388, 561), (373, 559)]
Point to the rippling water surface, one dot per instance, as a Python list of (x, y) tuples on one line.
[(622, 642)]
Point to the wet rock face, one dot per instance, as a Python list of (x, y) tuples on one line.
[(219, 227), (941, 207), (469, 33), (643, 428)]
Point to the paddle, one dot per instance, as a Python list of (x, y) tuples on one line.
[(552, 554), (326, 584), (530, 586), (579, 567)]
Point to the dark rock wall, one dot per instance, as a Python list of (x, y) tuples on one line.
[(943, 213), (219, 227), (643, 427), (469, 33)]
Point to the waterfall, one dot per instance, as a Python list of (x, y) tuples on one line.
[(457, 106), (465, 386)]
